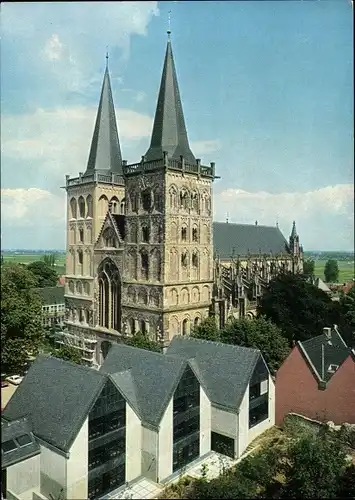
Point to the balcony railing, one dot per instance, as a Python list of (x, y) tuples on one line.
[(171, 164), (95, 177)]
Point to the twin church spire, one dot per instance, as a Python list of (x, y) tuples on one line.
[(169, 131)]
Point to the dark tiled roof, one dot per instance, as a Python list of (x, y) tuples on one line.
[(9, 432), (105, 153), (169, 130), (240, 239), (56, 397), (225, 369), (148, 381), (335, 353), (51, 294)]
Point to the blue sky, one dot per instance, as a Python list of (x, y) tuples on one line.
[(267, 91)]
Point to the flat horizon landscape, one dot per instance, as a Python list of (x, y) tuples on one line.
[(345, 261)]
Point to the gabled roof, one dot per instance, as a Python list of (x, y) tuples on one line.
[(225, 369), (56, 397), (334, 352), (51, 294), (147, 379), (319, 283), (13, 451), (105, 152), (116, 222), (240, 239), (169, 130)]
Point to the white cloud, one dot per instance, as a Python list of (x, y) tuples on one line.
[(324, 216), (26, 208), (201, 148), (53, 48), (59, 139)]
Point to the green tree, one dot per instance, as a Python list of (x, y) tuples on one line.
[(331, 271), (316, 466), (308, 267), (296, 306), (207, 330), (44, 273), (143, 342), (50, 259), (68, 353), (259, 333), (21, 316)]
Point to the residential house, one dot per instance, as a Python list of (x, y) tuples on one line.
[(143, 414), (20, 461), (317, 380), (53, 305)]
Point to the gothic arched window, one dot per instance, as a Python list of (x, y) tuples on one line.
[(81, 203), (109, 295), (144, 265), (73, 208), (89, 206)]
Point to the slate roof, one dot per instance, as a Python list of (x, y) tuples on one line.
[(51, 295), (225, 369), (240, 239), (335, 353), (9, 432), (56, 397), (169, 129), (105, 152), (148, 381)]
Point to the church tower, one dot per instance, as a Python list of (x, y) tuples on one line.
[(296, 250), (88, 199), (168, 275)]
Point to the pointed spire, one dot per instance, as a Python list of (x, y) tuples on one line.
[(294, 231), (169, 130), (105, 152)]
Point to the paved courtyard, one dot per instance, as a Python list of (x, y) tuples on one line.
[(143, 488)]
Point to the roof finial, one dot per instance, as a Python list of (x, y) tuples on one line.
[(106, 56), (169, 24)]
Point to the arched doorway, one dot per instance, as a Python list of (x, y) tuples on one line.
[(109, 295), (105, 347)]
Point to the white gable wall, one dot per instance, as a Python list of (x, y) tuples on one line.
[(134, 433), (24, 476), (165, 444), (205, 423), (53, 472), (269, 422), (246, 435), (225, 423), (77, 465), (149, 453)]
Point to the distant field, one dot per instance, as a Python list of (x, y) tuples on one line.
[(28, 258), (346, 270)]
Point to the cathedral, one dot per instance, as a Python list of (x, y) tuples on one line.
[(143, 252)]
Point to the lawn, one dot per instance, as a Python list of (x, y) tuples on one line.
[(346, 270), (28, 258)]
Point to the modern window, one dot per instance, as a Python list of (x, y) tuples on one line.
[(222, 444), (258, 414), (107, 438), (186, 423)]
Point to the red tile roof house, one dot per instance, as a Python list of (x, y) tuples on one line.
[(317, 380)]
